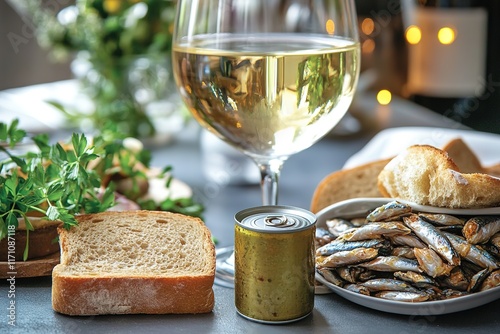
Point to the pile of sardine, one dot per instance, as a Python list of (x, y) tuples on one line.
[(401, 255)]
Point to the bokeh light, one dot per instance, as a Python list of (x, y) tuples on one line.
[(368, 46), (367, 26), (384, 97), (446, 35), (330, 27), (413, 34)]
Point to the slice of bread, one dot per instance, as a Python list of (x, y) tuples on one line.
[(134, 262), (493, 170), (463, 156), (426, 175), (360, 181)]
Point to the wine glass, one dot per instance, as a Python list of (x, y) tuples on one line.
[(270, 77)]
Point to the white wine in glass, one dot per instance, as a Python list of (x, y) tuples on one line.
[(270, 78)]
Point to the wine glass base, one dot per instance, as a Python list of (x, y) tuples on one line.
[(224, 267)]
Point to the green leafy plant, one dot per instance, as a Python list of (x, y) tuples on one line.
[(60, 180)]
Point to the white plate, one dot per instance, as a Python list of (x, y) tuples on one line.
[(390, 142), (422, 308), (360, 207)]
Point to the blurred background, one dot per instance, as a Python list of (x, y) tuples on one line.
[(440, 54), (25, 63)]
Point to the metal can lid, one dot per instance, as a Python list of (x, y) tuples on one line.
[(275, 219)]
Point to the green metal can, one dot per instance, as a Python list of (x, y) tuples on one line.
[(274, 263)]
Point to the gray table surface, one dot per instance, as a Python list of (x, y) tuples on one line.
[(332, 313)]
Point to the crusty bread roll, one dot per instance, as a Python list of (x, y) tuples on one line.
[(360, 181), (134, 262), (427, 175)]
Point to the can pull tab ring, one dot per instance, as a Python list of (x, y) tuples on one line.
[(278, 221)]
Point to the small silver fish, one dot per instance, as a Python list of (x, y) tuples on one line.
[(350, 274), (410, 240), (358, 288), (367, 275), (387, 284), (357, 222), (472, 253), (417, 279), (331, 276), (492, 281), (345, 258), (375, 230), (431, 263), (457, 279), (338, 225), (442, 219), (434, 238), (469, 268), (323, 236), (390, 210), (480, 229), (457, 229), (403, 251), (477, 280), (391, 263), (339, 245), (451, 293), (404, 296)]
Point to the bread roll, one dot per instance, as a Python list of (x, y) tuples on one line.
[(426, 175), (134, 262)]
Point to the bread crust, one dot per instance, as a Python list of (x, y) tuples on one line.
[(493, 170), (426, 175), (118, 292), (463, 156), (360, 181), (87, 295)]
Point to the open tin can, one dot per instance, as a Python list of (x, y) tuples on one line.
[(274, 263)]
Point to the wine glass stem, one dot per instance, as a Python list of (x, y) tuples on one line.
[(269, 177)]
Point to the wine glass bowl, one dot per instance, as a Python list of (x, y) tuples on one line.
[(270, 78), (269, 104)]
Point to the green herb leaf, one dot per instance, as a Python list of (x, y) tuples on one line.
[(52, 213), (56, 181)]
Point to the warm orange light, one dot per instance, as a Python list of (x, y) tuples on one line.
[(368, 46), (446, 35), (330, 27), (367, 26), (384, 97), (413, 34)]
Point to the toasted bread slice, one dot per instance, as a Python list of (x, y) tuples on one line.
[(360, 181), (463, 156), (493, 170)]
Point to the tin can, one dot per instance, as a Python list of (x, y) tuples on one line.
[(274, 263)]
